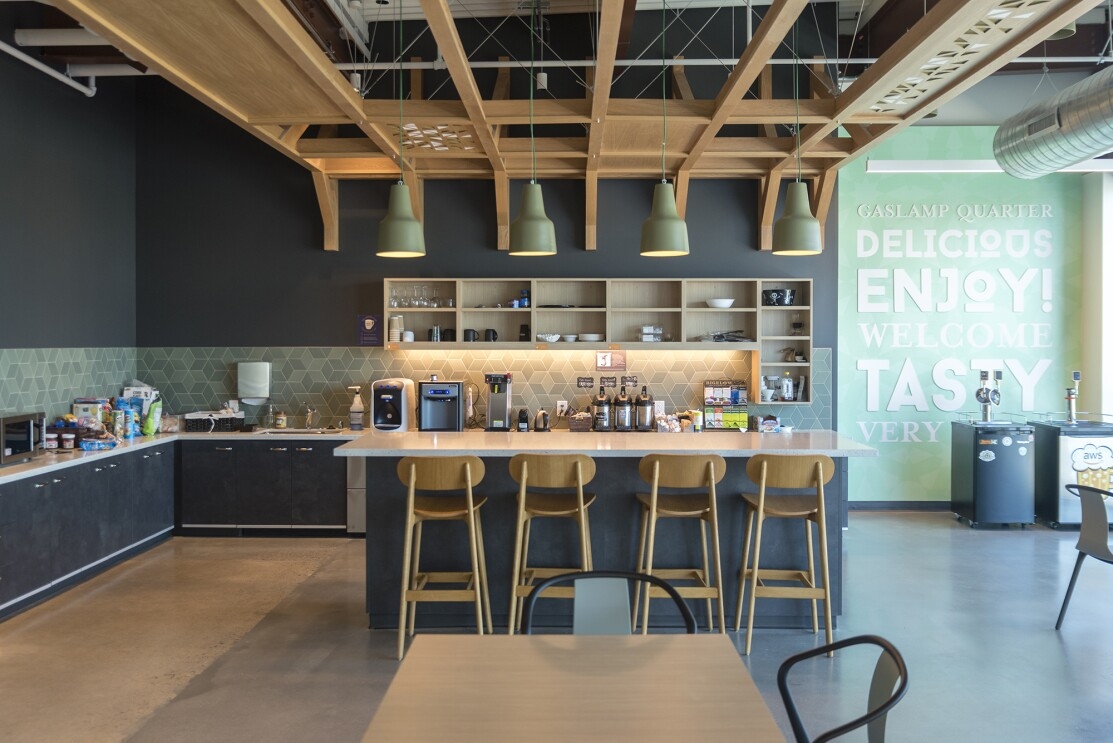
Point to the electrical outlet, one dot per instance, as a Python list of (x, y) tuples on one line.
[(561, 408)]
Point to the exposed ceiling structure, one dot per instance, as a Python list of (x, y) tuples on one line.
[(318, 80)]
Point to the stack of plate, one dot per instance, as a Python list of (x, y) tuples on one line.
[(591, 337)]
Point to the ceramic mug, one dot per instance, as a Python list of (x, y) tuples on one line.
[(490, 335), (471, 335)]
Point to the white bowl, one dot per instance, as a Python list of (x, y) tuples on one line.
[(548, 337), (720, 304), (569, 338), (591, 337)]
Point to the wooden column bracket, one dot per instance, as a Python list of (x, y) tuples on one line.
[(682, 180), (823, 191), (417, 78), (591, 209), (328, 202), (767, 208), (502, 208), (681, 88)]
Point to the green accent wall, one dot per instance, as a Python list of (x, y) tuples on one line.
[(942, 276)]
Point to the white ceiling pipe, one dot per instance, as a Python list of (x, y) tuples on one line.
[(105, 70), (57, 37), (89, 90)]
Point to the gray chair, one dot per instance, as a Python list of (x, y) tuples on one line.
[(1093, 535), (604, 608), (889, 683)]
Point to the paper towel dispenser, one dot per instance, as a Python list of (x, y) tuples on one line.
[(253, 381)]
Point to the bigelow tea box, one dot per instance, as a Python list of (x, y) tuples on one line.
[(726, 416), (725, 392)]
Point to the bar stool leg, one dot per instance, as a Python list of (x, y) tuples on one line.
[(706, 572), (745, 565), (753, 582), (402, 609), (639, 567), (483, 573), (415, 570), (652, 536), (718, 567), (519, 566), (823, 562), (811, 572), (473, 544)]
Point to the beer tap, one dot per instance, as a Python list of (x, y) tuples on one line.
[(987, 396), (1072, 399)]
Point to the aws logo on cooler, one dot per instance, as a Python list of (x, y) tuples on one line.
[(1093, 465)]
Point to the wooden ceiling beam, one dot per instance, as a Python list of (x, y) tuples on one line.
[(500, 93), (681, 88), (611, 18), (329, 204), (284, 30), (443, 26), (774, 26)]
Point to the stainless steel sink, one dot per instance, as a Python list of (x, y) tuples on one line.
[(298, 431)]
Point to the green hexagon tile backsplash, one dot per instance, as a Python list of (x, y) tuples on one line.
[(202, 378)]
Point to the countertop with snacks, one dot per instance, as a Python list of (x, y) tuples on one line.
[(58, 459)]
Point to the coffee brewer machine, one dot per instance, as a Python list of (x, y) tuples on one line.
[(498, 401), (391, 401)]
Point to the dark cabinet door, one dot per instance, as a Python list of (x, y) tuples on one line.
[(156, 489), (119, 503), (208, 487), (318, 485), (263, 497), (78, 496), (28, 536)]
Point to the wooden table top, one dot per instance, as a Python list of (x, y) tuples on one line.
[(572, 688)]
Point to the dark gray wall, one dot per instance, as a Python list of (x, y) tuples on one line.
[(67, 211), (229, 231)]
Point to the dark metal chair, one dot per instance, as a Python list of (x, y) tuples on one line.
[(1093, 535), (890, 670), (539, 589)]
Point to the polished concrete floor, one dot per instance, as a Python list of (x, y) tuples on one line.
[(265, 639)]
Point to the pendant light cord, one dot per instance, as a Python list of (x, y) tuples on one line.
[(401, 160), (532, 82), (664, 107), (796, 98)]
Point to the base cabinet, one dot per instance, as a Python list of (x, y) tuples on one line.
[(262, 484), (56, 525)]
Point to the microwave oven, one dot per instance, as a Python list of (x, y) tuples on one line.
[(20, 436)]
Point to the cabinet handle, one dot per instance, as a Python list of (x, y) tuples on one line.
[(57, 480), (223, 448), (146, 456), (112, 466), (279, 448), (40, 485), (304, 448), (158, 454)]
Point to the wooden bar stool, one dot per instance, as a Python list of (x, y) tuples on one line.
[(440, 474), (552, 472), (681, 471), (786, 471)]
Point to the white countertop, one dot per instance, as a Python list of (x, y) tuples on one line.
[(59, 459), (376, 443)]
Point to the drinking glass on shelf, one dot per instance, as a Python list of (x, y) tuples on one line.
[(424, 296), (435, 301), (403, 298), (393, 296)]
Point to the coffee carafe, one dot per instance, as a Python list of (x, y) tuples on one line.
[(623, 411), (644, 418), (601, 411)]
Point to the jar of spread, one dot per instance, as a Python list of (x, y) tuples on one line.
[(68, 440), (279, 419), (50, 441)]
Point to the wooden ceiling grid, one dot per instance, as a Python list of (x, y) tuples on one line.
[(253, 62)]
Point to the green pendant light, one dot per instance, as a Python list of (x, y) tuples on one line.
[(400, 234), (797, 231), (532, 233), (664, 233)]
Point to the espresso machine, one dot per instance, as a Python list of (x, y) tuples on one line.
[(498, 401), (391, 401)]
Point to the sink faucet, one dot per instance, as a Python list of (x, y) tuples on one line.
[(310, 413)]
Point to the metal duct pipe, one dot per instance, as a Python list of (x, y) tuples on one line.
[(1073, 126)]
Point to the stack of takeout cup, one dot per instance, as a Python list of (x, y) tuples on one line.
[(395, 327)]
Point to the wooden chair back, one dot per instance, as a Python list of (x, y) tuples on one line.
[(682, 470), (441, 473), (791, 470), (552, 470)]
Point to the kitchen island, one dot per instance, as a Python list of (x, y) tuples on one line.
[(614, 516)]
